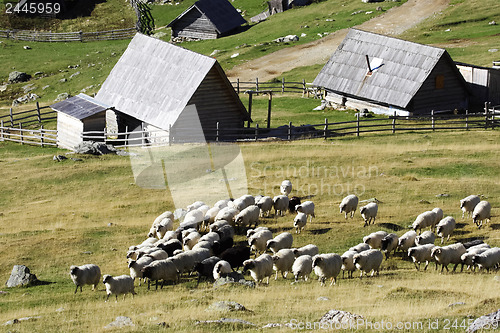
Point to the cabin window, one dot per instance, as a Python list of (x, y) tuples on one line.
[(439, 81)]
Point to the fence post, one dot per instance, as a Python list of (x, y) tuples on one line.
[(1, 131), (21, 133), (250, 96), (433, 121), (466, 120), (80, 33), (326, 128), (282, 85), (269, 109), (303, 87), (257, 83), (256, 131), (238, 85), (38, 113), (289, 131), (485, 115), (394, 123), (217, 133), (11, 118), (357, 124), (41, 135)]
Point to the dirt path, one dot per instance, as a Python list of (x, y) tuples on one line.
[(393, 22)]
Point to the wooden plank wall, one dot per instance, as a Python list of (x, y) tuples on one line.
[(69, 130), (194, 25)]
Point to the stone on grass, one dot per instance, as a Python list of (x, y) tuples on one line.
[(21, 277), (487, 322), (232, 321), (120, 321), (339, 317), (62, 97), (226, 306), (16, 76)]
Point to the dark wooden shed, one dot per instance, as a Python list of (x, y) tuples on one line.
[(206, 19), (387, 75)]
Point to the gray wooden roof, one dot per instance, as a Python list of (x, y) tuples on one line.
[(154, 80), (80, 107), (221, 13), (404, 66)]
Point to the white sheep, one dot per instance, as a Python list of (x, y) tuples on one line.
[(248, 216), (424, 220), (348, 262), (467, 257), (299, 222), (449, 254), (280, 204), (427, 237), (136, 266), (286, 187), (302, 267), (368, 261), (251, 232), (468, 204), (488, 259), (406, 241), (258, 241), (445, 228), (221, 269), (259, 268), (360, 247), (242, 202), (195, 205), (118, 285), (210, 216), (283, 261), (389, 243), (375, 239), (165, 270), (210, 237), (439, 216), (165, 225), (85, 274), (420, 254), (309, 249), (327, 266), (282, 241), (214, 227), (265, 205), (369, 213), (221, 203), (349, 205), (481, 212), (190, 240), (158, 254), (227, 214), (166, 215), (307, 207)]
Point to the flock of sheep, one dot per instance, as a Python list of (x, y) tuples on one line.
[(204, 243)]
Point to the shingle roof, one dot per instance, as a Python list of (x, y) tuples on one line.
[(221, 13), (80, 107), (403, 68)]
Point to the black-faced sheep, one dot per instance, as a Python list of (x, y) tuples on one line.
[(349, 205), (282, 241), (248, 217), (265, 205), (302, 267), (388, 244), (259, 268), (482, 212), (468, 204), (280, 204), (221, 269), (85, 274), (368, 261), (375, 239), (327, 266), (307, 207), (424, 220), (450, 254), (445, 228), (369, 213), (283, 261), (420, 254), (309, 249), (427, 237), (118, 285)]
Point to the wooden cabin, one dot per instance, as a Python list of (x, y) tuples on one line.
[(484, 84), (206, 19), (386, 75), (76, 115)]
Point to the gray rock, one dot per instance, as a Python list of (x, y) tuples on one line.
[(63, 80), (455, 304), (18, 320), (322, 298), (21, 277), (488, 322), (179, 213), (45, 87), (120, 321), (59, 158), (15, 77), (74, 74), (233, 278), (94, 148), (62, 97), (3, 87), (221, 321), (442, 195), (29, 97), (287, 39), (29, 87), (226, 306), (339, 317)]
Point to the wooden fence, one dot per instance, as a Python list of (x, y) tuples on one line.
[(79, 36), (142, 138), (306, 89), (28, 117), (42, 137)]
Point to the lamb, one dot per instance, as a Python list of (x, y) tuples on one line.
[(236, 256), (481, 212), (136, 267), (375, 239), (299, 222), (369, 213), (85, 274), (424, 220), (349, 205), (302, 267), (258, 241), (292, 203), (283, 261), (309, 249), (280, 203), (307, 207), (439, 216), (445, 227), (286, 187), (467, 257), (367, 261), (259, 268), (282, 241), (327, 266), (468, 204), (448, 255), (488, 259), (406, 241), (389, 243), (265, 205), (118, 285), (348, 262), (205, 268), (427, 237), (221, 269), (248, 216), (360, 247), (164, 270), (421, 253)]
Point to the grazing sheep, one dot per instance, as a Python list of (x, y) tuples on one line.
[(118, 285), (222, 245), (467, 257), (488, 259), (327, 266), (406, 241), (165, 270), (283, 261), (349, 205), (210, 216), (251, 232), (481, 212), (309, 249), (307, 207), (389, 243), (221, 269), (468, 204), (360, 247), (302, 267), (427, 237), (248, 216), (259, 268), (282, 241), (421, 253), (368, 261), (225, 231), (424, 220), (190, 240), (227, 214), (265, 205), (243, 202), (236, 256), (292, 203), (203, 244), (165, 225), (205, 268), (215, 226), (158, 254), (348, 262), (136, 267), (173, 234), (299, 222), (171, 246), (222, 203), (375, 239), (445, 227), (258, 241), (439, 216), (369, 213), (85, 274), (286, 187), (195, 205), (166, 215), (210, 237), (448, 255), (280, 204)]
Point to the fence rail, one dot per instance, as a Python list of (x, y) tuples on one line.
[(29, 117), (277, 87), (41, 137), (79, 36)]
